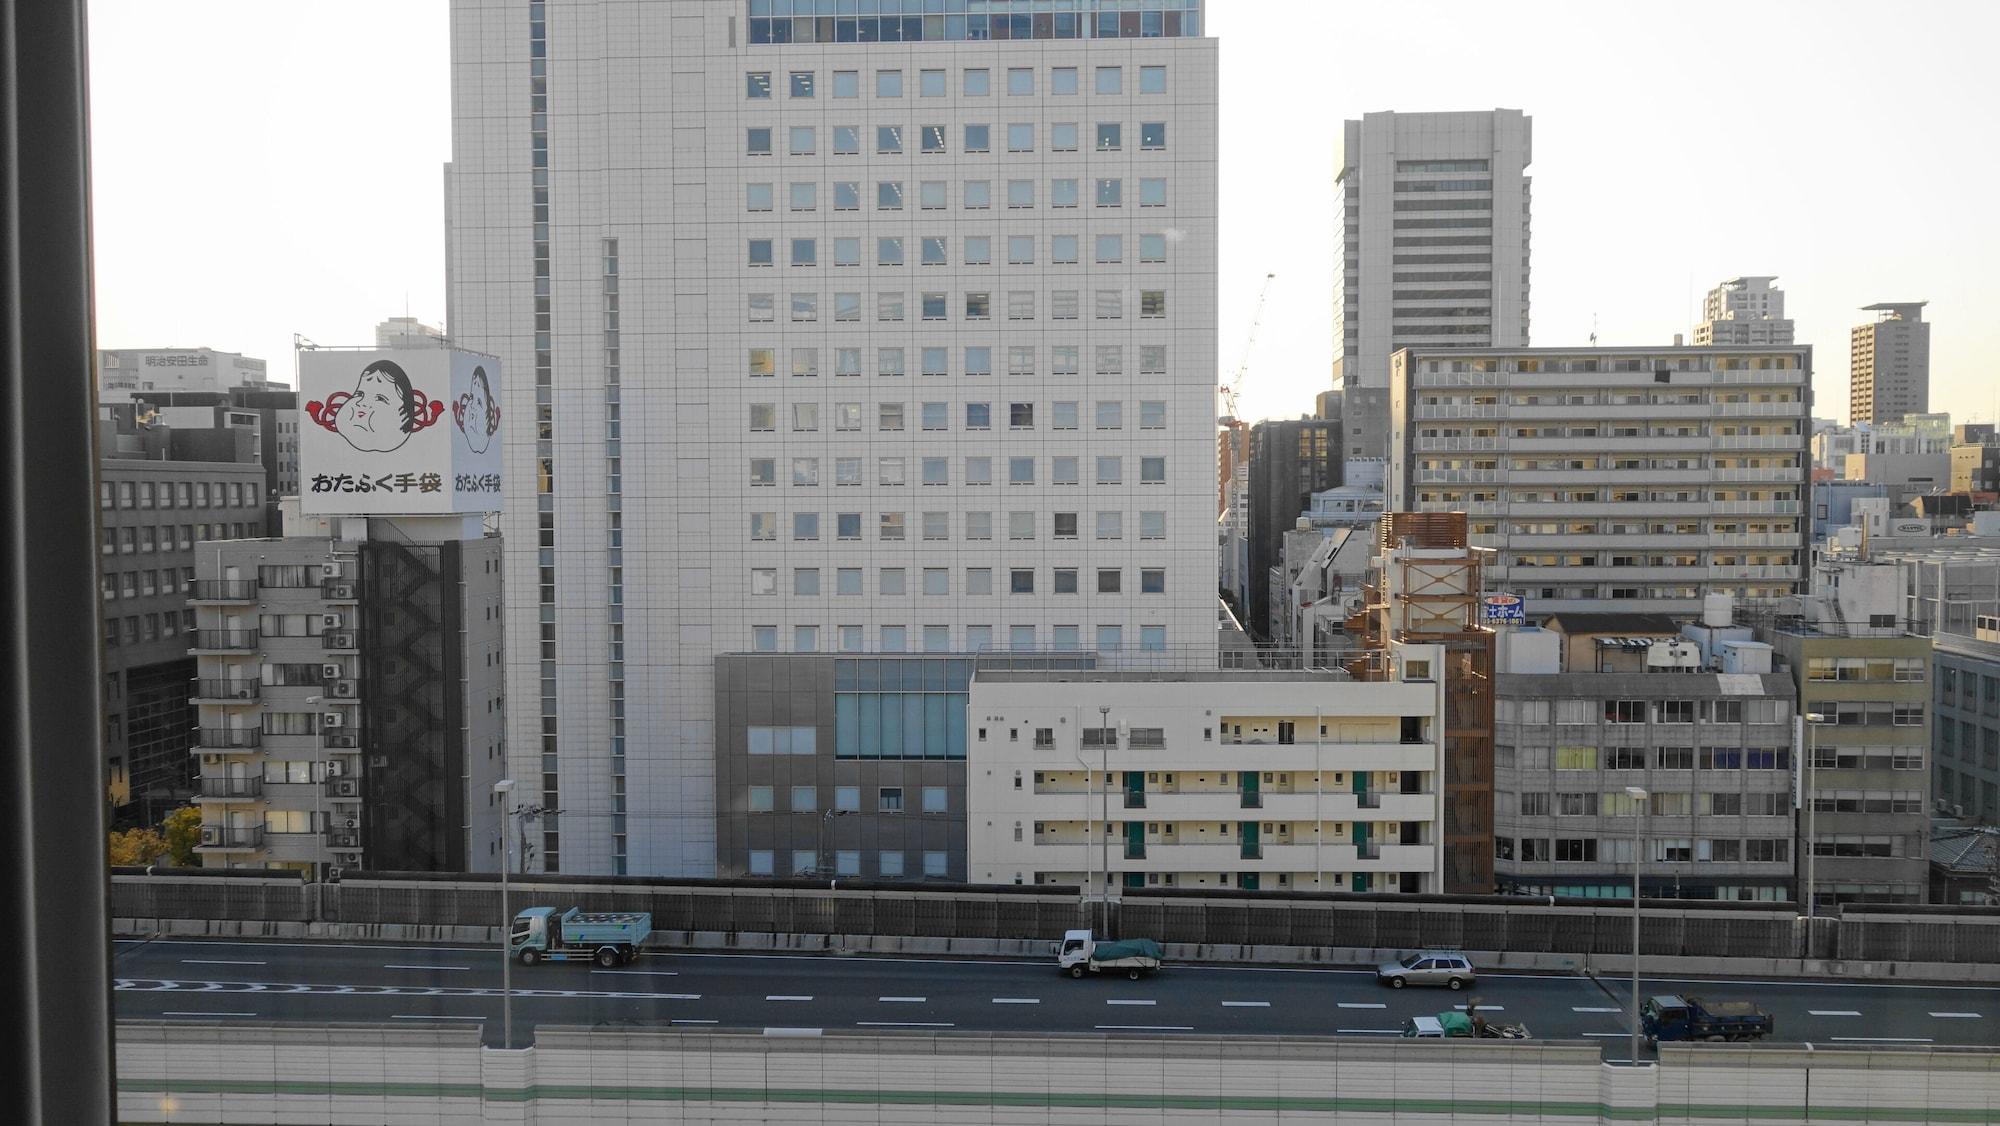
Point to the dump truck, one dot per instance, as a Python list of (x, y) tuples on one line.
[(1454, 1025), (1079, 952), (1670, 1017), (609, 938)]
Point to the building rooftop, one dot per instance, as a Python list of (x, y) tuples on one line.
[(1679, 682), (1966, 850), (1575, 622)]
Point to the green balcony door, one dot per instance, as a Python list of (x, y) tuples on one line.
[(1135, 789), (1248, 786), (1248, 840), (1135, 840)]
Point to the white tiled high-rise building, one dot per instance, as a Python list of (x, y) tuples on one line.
[(1434, 217), (1745, 310), (843, 332)]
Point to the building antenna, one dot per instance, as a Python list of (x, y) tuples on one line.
[(1593, 330)]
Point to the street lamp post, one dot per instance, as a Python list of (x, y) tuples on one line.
[(503, 789), (1104, 788), (825, 855), (1638, 795), (1813, 720)]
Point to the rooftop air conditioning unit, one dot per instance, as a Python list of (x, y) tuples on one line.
[(330, 672), (332, 719)]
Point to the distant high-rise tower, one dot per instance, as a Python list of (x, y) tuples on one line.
[(1744, 311), (1889, 364), (1438, 255)]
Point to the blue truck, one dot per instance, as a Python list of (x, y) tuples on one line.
[(609, 938), (1669, 1018)]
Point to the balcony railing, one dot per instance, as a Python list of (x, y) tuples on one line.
[(226, 639), (1369, 851), (1252, 799), (1135, 799), (228, 738), (213, 787), (1251, 850), (232, 836), (230, 691), (225, 590), (1135, 850), (1370, 800)]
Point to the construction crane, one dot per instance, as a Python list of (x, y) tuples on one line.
[(1235, 383)]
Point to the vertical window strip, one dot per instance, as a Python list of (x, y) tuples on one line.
[(614, 552), (538, 139)]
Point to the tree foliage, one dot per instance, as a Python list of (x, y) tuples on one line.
[(182, 832), (136, 847)]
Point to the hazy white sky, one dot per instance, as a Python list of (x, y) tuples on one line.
[(270, 168)]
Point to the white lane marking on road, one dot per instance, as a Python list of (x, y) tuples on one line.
[(1834, 1012), (903, 1024), (184, 1013), (1881, 1039), (1606, 1035), (1122, 1001), (1246, 1004), (792, 1031), (1367, 1031), (1145, 1028), (218, 962), (1017, 1000), (1956, 1016), (1593, 1009), (641, 973), (451, 968), (428, 1016), (903, 1000), (1483, 1008), (690, 1020), (788, 997), (1360, 1005)]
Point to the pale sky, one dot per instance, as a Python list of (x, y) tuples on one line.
[(269, 168)]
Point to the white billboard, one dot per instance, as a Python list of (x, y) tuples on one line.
[(398, 431)]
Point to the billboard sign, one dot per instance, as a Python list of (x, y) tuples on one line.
[(398, 432), (1502, 608)]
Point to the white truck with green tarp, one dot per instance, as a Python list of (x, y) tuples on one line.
[(1079, 952)]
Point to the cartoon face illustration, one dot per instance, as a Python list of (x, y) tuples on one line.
[(476, 413), (381, 412)]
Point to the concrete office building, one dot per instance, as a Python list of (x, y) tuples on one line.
[(272, 414), (350, 695), (1868, 776), (407, 332), (1599, 702), (1433, 210), (1744, 311), (160, 491), (125, 372), (1966, 667), (1635, 479), (815, 288), (1275, 781), (1290, 460), (1889, 363)]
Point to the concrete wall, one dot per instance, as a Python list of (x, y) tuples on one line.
[(180, 1072)]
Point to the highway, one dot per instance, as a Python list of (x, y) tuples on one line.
[(328, 982)]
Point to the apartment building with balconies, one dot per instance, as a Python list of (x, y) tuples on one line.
[(1635, 479), (1308, 780), (349, 696)]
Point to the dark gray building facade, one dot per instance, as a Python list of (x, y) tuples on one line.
[(841, 765), (1290, 460), (1966, 741)]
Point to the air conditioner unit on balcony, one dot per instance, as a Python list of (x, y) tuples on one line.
[(340, 641), (342, 742), (330, 672), (340, 590), (330, 570), (211, 835), (332, 719), (211, 760), (330, 621), (353, 823), (246, 691), (344, 689), (335, 768), (378, 762)]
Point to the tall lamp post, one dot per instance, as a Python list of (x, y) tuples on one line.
[(1638, 795), (1104, 788), (503, 789), (1813, 720), (825, 857)]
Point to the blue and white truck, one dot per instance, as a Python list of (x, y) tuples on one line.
[(609, 938)]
